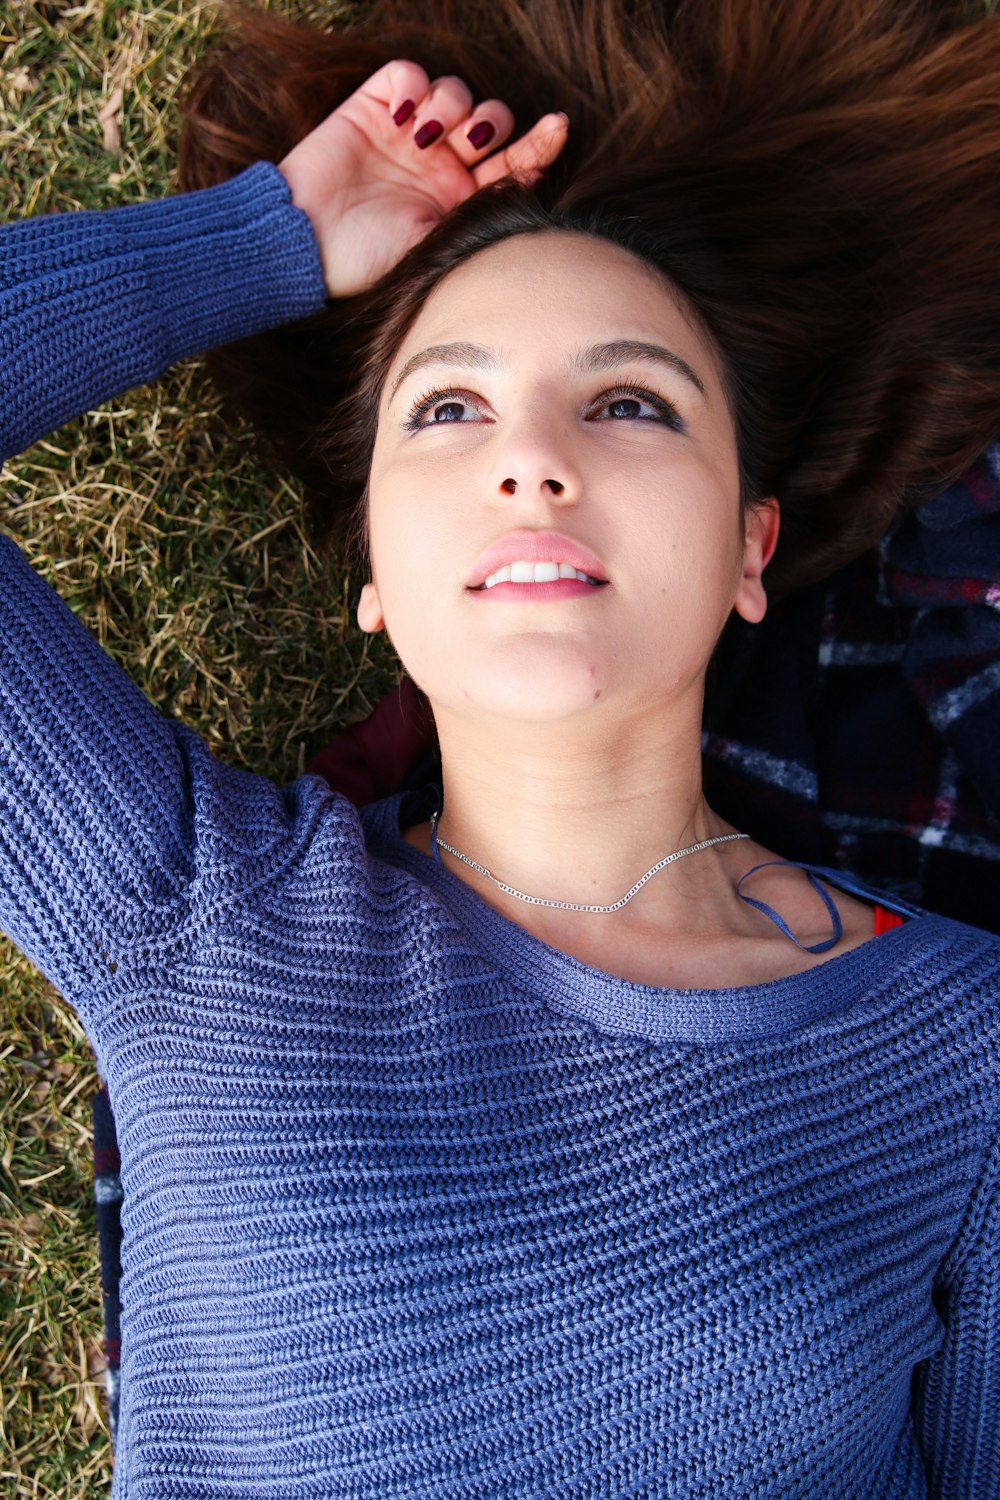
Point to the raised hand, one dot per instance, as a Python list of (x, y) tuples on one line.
[(379, 173)]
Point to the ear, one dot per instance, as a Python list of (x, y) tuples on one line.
[(763, 522), (370, 616)]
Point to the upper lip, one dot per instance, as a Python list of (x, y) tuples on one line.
[(536, 546)]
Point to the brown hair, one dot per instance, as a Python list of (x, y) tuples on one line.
[(819, 178)]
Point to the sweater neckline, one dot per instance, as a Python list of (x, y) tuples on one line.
[(743, 1013)]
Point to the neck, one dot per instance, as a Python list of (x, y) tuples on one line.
[(580, 819)]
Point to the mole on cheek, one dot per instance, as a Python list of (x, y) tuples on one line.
[(597, 692)]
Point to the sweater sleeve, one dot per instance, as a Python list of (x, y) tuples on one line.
[(957, 1390), (112, 817), (121, 836), (94, 813), (92, 303)]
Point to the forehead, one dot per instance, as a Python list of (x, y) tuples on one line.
[(555, 292)]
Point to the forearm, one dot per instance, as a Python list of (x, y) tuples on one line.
[(92, 304)]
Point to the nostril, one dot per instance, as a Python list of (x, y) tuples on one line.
[(555, 485)]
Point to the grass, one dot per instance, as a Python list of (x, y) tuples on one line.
[(193, 567)]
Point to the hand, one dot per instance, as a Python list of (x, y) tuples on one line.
[(372, 193)]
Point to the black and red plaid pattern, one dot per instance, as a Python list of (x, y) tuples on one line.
[(859, 726)]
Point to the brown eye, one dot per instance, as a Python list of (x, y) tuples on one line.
[(626, 402), (435, 408)]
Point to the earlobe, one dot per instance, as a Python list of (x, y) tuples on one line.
[(763, 522), (370, 617)]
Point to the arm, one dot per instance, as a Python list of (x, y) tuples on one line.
[(98, 802), (116, 822), (93, 303), (957, 1391)]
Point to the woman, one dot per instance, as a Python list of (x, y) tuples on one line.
[(589, 1181)]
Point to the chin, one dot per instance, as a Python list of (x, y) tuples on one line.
[(536, 698)]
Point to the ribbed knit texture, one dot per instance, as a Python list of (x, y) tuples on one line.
[(93, 303), (416, 1205)]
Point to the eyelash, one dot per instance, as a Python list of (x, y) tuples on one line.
[(625, 391)]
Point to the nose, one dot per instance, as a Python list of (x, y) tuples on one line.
[(536, 463)]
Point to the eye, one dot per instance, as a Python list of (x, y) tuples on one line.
[(435, 408), (624, 402)]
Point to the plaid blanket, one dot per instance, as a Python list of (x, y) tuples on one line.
[(859, 726)]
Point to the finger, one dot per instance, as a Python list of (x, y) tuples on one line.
[(400, 86), (527, 158), (490, 124), (448, 103)]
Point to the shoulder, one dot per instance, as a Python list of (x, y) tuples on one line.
[(927, 1029), (303, 827), (947, 947), (944, 977), (940, 957), (922, 1004)]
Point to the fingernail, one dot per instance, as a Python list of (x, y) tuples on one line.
[(404, 112), (480, 135), (429, 133)]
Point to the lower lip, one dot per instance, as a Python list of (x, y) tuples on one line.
[(538, 593)]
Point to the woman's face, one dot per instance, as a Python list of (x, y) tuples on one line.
[(552, 404)]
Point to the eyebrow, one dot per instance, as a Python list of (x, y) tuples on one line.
[(588, 362), (623, 351), (473, 356)]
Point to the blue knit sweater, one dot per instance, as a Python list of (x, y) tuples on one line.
[(416, 1205)]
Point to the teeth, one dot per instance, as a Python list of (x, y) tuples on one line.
[(545, 572), (541, 572)]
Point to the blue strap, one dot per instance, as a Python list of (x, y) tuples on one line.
[(780, 923), (845, 881)]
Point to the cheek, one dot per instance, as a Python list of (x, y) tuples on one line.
[(407, 557), (388, 521), (689, 513), (417, 508)]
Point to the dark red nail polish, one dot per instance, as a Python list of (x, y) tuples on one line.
[(429, 133), (404, 112), (480, 135)]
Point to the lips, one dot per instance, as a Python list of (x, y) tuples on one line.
[(536, 547)]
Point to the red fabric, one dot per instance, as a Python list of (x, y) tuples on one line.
[(370, 760), (885, 921)]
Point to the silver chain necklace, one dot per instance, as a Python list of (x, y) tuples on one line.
[(720, 838)]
